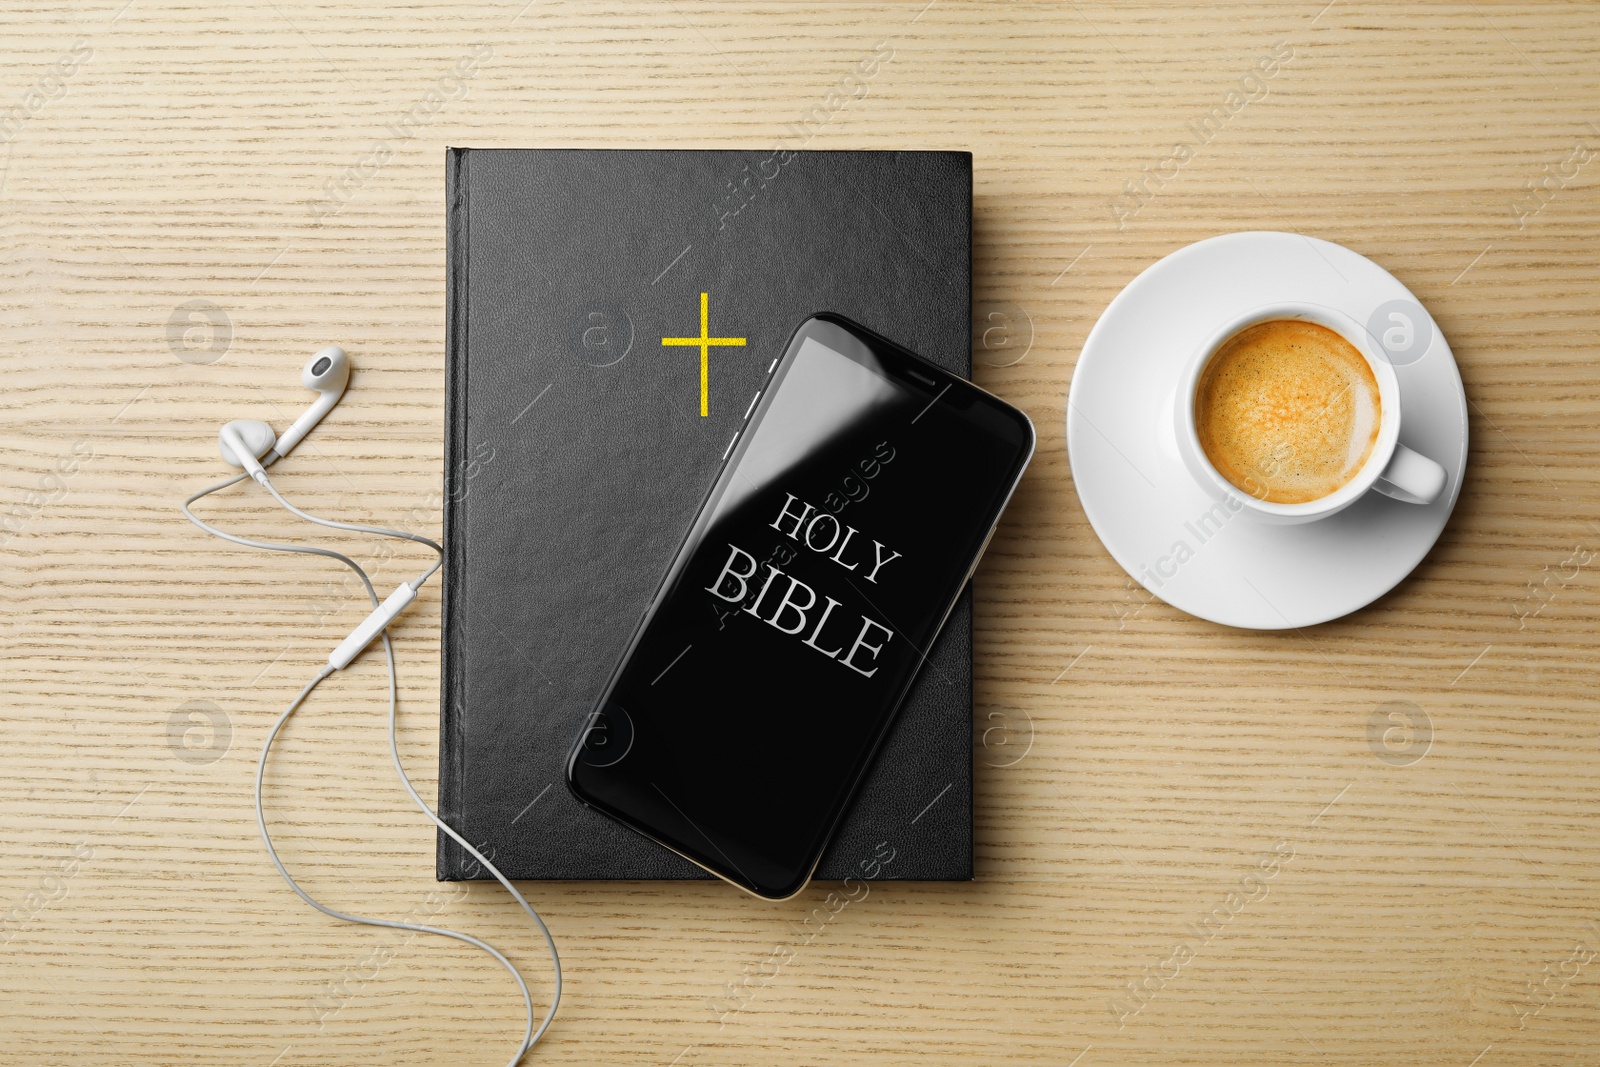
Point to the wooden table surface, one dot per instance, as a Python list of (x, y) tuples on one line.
[(192, 205)]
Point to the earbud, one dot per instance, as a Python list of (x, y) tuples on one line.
[(327, 372), (243, 441)]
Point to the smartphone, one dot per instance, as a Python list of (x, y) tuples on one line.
[(851, 510)]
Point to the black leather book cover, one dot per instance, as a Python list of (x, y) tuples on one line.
[(577, 456)]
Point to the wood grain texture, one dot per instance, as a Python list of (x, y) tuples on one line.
[(1135, 764)]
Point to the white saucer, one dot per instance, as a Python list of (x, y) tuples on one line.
[(1160, 525)]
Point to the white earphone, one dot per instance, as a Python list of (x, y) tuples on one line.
[(251, 444), (244, 442)]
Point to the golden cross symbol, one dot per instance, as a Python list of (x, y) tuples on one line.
[(703, 343)]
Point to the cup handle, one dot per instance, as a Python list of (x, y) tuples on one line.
[(1411, 476)]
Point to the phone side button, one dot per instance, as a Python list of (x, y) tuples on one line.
[(979, 557)]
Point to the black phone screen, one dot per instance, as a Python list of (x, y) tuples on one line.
[(795, 616)]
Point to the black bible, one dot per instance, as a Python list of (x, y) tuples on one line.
[(579, 446)]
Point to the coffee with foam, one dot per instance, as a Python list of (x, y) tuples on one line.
[(1287, 411)]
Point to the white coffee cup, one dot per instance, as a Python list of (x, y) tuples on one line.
[(1391, 468)]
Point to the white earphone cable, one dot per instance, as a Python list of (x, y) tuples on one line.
[(531, 1035), (360, 528)]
